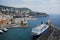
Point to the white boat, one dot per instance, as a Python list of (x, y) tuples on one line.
[(40, 29), (5, 29), (1, 31)]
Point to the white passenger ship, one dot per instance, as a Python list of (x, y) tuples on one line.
[(40, 29)]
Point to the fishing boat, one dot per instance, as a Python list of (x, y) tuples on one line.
[(39, 29)]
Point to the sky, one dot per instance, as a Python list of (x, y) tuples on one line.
[(47, 6)]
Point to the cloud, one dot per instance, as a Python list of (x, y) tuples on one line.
[(48, 6)]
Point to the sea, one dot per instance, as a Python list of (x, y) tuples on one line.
[(25, 33), (55, 19)]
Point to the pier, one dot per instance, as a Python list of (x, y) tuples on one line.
[(53, 33)]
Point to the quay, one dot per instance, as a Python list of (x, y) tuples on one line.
[(53, 33)]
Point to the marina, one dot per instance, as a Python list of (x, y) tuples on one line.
[(25, 24), (13, 24)]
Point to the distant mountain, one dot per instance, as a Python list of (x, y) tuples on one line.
[(18, 11), (1, 6), (38, 14)]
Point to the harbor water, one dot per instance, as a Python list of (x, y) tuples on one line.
[(18, 33), (25, 33), (55, 18)]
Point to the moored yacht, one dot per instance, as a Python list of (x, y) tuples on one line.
[(1, 31), (4, 29)]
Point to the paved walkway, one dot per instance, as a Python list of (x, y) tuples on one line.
[(46, 35), (52, 34), (55, 35)]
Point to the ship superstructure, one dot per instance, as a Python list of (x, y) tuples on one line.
[(39, 29)]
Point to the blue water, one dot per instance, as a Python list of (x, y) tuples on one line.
[(25, 34), (18, 33), (34, 23), (54, 17)]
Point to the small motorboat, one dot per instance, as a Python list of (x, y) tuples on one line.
[(1, 31), (5, 29)]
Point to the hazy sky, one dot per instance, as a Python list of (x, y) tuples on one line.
[(48, 6)]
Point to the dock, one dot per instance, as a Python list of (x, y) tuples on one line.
[(53, 33)]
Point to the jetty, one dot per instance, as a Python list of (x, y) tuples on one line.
[(53, 33)]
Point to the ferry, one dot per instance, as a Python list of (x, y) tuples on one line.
[(39, 29)]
